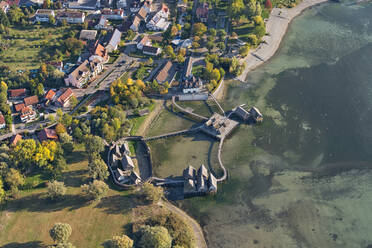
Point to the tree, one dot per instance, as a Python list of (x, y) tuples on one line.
[(212, 32), (94, 144), (66, 119), (59, 113), (52, 20), (56, 190), (60, 232), (215, 75), (199, 29), (195, 45), (151, 193), (4, 19), (155, 237), (169, 51), (60, 128), (120, 242), (14, 178), (95, 190), (210, 45), (65, 138), (98, 169), (73, 101), (180, 58), (244, 50), (221, 45), (260, 31), (2, 191), (268, 5), (221, 33)]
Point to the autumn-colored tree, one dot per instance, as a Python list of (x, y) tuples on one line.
[(199, 29), (60, 128), (268, 4)]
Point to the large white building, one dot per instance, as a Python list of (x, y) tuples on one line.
[(160, 20), (42, 15)]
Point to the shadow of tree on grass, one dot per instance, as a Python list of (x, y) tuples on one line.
[(39, 203), (31, 244)]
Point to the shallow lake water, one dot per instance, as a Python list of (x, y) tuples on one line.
[(302, 178)]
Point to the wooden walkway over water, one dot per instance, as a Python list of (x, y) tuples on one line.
[(171, 134)]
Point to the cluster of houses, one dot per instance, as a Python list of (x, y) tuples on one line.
[(122, 165), (25, 106), (91, 63), (198, 182)]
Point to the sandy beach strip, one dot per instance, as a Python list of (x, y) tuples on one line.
[(276, 27)]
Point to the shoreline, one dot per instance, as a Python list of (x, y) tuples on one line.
[(276, 26)]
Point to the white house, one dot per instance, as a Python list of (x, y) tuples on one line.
[(121, 4), (116, 14), (145, 41), (114, 41), (103, 23), (136, 23), (4, 6), (71, 16), (42, 15), (160, 20)]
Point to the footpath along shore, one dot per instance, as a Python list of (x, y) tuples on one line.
[(276, 27)]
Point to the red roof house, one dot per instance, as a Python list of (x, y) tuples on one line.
[(18, 107), (17, 93), (31, 100), (49, 95), (15, 139), (47, 134), (65, 97)]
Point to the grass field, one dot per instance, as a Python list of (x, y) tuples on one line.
[(243, 30), (25, 222), (25, 43)]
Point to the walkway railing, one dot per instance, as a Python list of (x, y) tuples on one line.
[(217, 103), (172, 134)]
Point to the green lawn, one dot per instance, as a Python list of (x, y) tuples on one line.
[(243, 30), (25, 222), (25, 43)]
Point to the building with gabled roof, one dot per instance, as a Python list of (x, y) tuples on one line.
[(136, 23), (15, 139), (71, 16), (151, 50), (64, 99), (88, 34), (49, 96), (42, 15), (113, 14), (80, 76), (202, 12), (47, 134), (114, 41), (18, 107), (27, 114), (127, 163), (31, 100), (166, 73), (4, 6), (17, 93)]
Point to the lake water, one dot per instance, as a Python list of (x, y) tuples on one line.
[(302, 178)]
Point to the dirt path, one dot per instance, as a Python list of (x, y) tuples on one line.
[(150, 118), (198, 232)]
